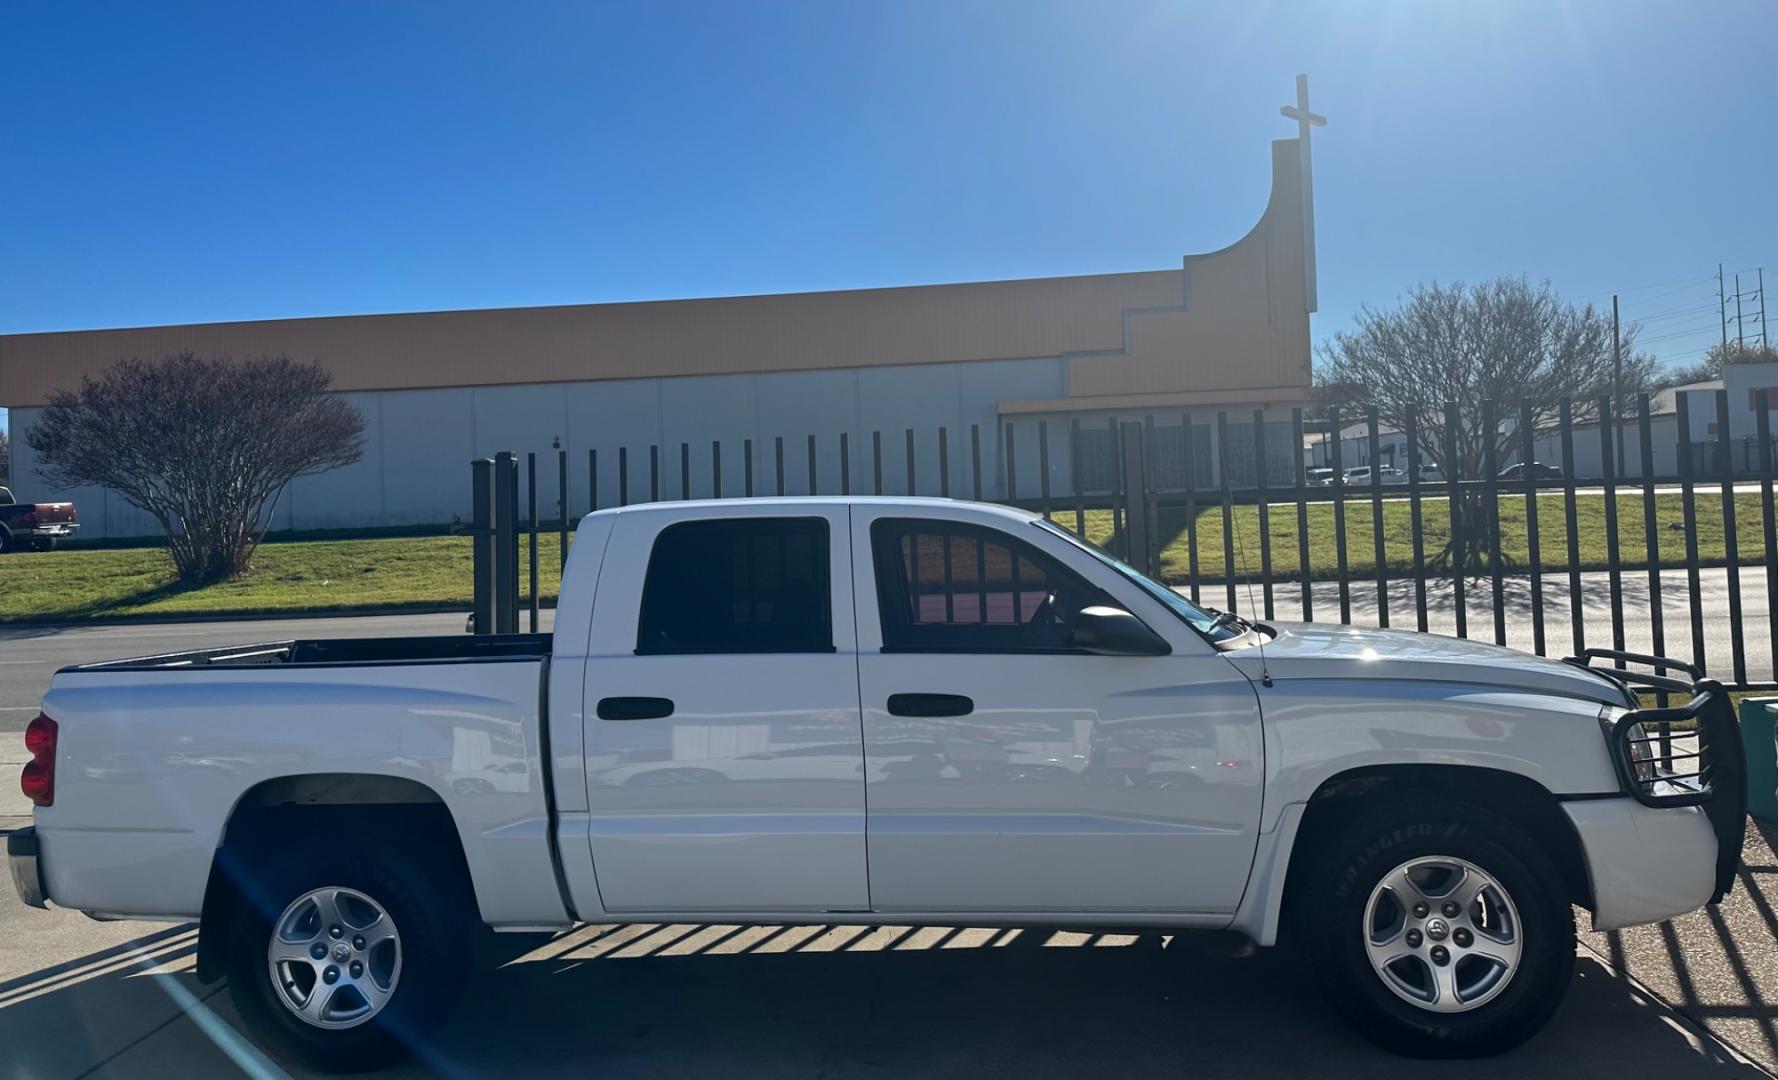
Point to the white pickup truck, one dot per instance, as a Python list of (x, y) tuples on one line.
[(877, 711)]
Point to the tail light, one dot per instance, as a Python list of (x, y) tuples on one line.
[(38, 780)]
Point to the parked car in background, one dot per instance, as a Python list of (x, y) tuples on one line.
[(1319, 476), (1043, 736), (1539, 471), (1387, 476), (1431, 474), (33, 526)]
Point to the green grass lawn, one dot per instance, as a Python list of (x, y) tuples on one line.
[(1398, 547), (371, 573), (305, 576)]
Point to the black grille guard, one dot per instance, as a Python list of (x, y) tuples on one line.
[(1718, 783)]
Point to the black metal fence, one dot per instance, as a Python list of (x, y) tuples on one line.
[(1248, 532)]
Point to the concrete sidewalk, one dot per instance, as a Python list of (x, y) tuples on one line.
[(1718, 967)]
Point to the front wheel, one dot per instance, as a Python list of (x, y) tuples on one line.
[(1437, 929), (340, 960)]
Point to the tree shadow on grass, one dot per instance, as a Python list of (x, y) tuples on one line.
[(110, 605)]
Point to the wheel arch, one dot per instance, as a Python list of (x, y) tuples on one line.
[(1516, 797), (272, 809)]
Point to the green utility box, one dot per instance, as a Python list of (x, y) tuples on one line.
[(1759, 735)]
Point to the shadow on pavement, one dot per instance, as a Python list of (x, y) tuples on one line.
[(846, 1001), (1719, 966)]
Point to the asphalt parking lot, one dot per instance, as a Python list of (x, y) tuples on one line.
[(80, 998)]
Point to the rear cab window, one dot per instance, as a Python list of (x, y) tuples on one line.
[(738, 585)]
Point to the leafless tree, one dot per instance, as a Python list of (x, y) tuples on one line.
[(1504, 340), (5, 457), (205, 445)]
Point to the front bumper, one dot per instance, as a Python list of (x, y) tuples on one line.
[(27, 872), (1646, 863)]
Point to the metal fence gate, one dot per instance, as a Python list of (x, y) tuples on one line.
[(1247, 531)]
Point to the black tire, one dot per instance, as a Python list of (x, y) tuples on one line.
[(6, 542), (1331, 899), (432, 911)]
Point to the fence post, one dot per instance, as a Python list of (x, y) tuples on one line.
[(1613, 564), (1300, 473), (1730, 540), (1528, 450), (1265, 510), (1453, 480), (481, 524), (1379, 541), (1339, 516), (562, 502), (506, 543), (1688, 505), (1135, 500), (531, 545), (1762, 405), (1416, 521)]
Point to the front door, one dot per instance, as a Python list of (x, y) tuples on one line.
[(724, 752), (1009, 772)]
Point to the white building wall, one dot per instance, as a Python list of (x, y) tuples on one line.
[(418, 443)]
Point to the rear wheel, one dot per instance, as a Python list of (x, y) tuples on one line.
[(343, 959), (7, 543), (1437, 929)]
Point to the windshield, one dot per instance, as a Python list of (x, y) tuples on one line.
[(1213, 624)]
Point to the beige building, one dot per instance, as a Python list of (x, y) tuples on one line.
[(1227, 330)]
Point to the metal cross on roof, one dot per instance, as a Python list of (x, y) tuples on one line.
[(1304, 121)]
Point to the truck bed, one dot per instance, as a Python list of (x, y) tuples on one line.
[(328, 652)]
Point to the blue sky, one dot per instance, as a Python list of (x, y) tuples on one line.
[(188, 162)]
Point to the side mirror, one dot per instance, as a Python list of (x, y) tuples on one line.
[(1109, 631)]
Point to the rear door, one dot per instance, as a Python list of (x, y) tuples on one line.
[(724, 749), (1010, 772)]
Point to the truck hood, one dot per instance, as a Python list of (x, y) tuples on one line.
[(1312, 651)]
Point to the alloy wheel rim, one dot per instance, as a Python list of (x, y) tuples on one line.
[(334, 957), (1443, 934)]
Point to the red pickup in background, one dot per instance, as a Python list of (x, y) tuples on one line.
[(33, 526)]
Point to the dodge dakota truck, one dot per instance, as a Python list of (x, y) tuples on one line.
[(880, 710)]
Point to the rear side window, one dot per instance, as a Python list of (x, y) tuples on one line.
[(742, 585)]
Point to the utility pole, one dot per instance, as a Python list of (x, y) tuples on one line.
[(1617, 384), (1763, 339), (1722, 308), (1740, 334)]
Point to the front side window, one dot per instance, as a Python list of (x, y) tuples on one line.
[(741, 585), (944, 587)]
